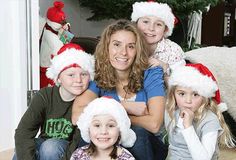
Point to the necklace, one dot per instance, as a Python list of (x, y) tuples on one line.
[(125, 89)]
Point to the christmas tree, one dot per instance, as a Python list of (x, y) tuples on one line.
[(116, 9)]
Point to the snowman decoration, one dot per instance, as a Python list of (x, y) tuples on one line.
[(54, 35)]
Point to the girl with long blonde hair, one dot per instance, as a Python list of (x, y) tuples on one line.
[(194, 122)]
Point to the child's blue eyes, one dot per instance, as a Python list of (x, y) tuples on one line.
[(156, 24), (145, 21), (195, 95), (71, 75), (98, 125), (111, 126), (182, 94), (85, 74)]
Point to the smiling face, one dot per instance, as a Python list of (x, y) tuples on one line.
[(104, 132), (122, 50), (187, 98), (153, 28), (73, 81)]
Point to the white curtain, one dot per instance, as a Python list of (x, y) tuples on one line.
[(195, 28)]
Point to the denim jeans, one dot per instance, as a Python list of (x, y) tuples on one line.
[(160, 149), (49, 149), (142, 148)]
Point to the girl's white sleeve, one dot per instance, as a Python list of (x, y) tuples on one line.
[(200, 149)]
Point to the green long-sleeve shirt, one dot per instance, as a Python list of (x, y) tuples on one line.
[(49, 113)]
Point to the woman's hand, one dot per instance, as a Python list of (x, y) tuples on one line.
[(135, 108)]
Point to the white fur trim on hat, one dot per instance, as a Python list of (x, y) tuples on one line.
[(160, 10), (67, 58), (190, 77), (109, 106)]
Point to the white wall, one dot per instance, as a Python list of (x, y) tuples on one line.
[(12, 69), (14, 51), (77, 16)]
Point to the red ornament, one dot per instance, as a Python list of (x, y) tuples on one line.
[(176, 20)]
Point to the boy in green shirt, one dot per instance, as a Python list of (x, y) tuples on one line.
[(50, 109)]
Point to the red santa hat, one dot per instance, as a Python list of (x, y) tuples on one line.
[(70, 55), (200, 79), (106, 105), (55, 13), (160, 10)]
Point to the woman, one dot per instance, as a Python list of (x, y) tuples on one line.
[(121, 71)]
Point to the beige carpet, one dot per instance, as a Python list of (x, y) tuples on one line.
[(229, 154), (6, 155)]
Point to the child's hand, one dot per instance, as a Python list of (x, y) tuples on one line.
[(187, 115), (153, 62)]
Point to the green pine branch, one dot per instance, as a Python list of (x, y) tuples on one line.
[(116, 9)]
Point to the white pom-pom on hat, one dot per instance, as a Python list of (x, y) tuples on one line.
[(105, 105), (70, 55), (160, 10)]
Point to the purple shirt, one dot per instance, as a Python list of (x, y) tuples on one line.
[(81, 154)]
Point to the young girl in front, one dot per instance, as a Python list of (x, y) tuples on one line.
[(105, 125), (156, 22), (195, 124)]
